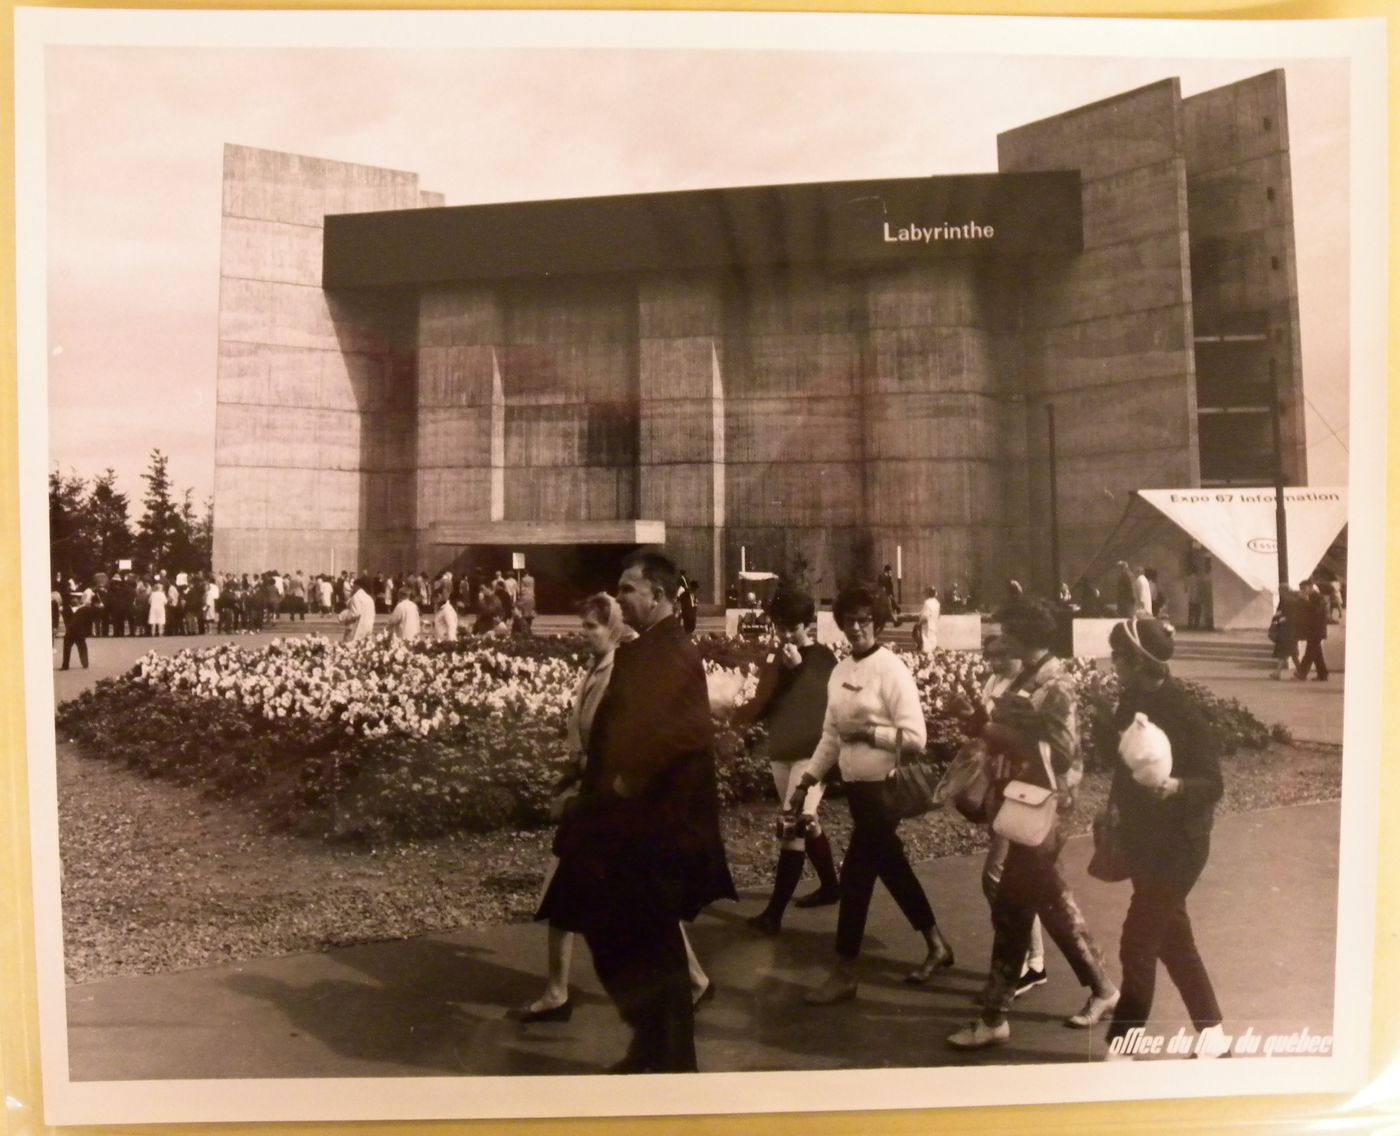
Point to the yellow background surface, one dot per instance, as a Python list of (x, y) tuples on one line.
[(1377, 1111)]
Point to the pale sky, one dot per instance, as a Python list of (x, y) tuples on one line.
[(135, 139)]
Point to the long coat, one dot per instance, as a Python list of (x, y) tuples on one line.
[(1169, 840), (648, 798)]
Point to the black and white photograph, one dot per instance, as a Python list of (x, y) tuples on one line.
[(609, 564)]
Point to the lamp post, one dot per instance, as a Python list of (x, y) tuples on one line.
[(1280, 512), (1054, 501)]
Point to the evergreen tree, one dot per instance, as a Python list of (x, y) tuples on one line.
[(202, 537), (108, 524), (160, 524), (70, 554), (183, 556)]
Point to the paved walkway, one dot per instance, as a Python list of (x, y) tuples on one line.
[(433, 1005)]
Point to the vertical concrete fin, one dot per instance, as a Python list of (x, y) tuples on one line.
[(498, 440), (717, 434)]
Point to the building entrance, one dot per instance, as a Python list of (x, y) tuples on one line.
[(565, 574)]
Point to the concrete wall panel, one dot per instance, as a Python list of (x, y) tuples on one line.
[(451, 438), (800, 302), (337, 499), (264, 436), (1153, 273), (459, 315), (680, 367), (812, 363), (933, 359), (579, 493), (1238, 122), (792, 430), (680, 494), (676, 430), (806, 493), (1128, 346), (544, 436), (914, 493), (358, 382), (567, 372), (680, 307), (931, 426), (1137, 128), (1135, 204), (447, 495), (946, 295), (455, 376), (270, 250)]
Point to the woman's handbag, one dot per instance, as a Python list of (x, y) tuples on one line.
[(1027, 812), (911, 788), (968, 783), (1110, 860)]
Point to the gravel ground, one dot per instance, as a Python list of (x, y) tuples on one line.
[(157, 878)]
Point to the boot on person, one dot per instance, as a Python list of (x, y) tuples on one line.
[(790, 863), (828, 890)]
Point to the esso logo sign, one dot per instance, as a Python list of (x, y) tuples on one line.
[(1263, 544)]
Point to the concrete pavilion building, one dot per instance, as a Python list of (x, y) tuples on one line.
[(842, 374)]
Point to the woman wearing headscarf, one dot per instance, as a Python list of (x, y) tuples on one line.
[(873, 717), (1165, 827), (603, 629)]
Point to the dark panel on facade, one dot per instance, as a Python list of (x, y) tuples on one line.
[(832, 223)]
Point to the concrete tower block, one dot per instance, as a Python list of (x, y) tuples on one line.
[(1244, 271), (302, 375), (1110, 331)]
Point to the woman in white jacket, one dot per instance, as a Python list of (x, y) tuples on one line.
[(873, 716)]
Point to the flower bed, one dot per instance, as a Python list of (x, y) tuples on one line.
[(378, 739)]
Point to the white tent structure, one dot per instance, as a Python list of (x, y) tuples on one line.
[(1236, 525)]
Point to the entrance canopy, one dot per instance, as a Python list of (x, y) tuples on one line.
[(1238, 527)]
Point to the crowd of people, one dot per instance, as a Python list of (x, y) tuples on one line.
[(158, 604), (638, 853), (638, 850)]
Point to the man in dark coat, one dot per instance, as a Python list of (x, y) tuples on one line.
[(642, 848), (1312, 629), (78, 627)]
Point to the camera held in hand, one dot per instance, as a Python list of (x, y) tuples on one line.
[(795, 826)]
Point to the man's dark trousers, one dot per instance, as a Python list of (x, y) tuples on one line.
[(1312, 657), (70, 641), (640, 958)]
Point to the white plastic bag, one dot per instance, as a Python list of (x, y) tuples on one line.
[(1146, 751)]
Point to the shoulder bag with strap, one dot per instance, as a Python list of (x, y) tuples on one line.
[(1027, 813)]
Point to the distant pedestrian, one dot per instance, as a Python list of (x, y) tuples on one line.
[(155, 610), (926, 629), (1312, 630), (77, 629), (1124, 590), (686, 603), (445, 616), (358, 615), (1283, 631), (1142, 595), (404, 621)]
